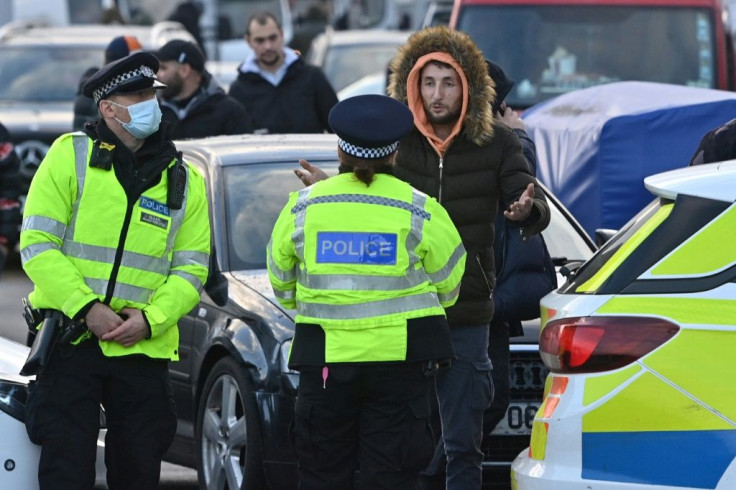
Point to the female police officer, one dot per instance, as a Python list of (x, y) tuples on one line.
[(369, 263)]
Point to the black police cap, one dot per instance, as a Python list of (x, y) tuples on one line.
[(370, 126), (131, 74)]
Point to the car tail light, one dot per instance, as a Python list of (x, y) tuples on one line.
[(592, 344)]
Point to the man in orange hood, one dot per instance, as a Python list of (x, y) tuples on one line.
[(458, 154)]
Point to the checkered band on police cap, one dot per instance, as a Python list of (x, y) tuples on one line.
[(108, 87), (370, 126), (367, 153)]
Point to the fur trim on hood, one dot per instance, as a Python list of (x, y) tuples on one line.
[(478, 123)]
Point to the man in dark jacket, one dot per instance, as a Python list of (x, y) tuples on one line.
[(193, 104), (279, 90), (458, 154)]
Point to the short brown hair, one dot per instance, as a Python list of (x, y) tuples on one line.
[(262, 17)]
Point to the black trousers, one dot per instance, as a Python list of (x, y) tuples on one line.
[(63, 416), (373, 417)]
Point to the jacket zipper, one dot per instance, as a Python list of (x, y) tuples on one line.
[(439, 193), (120, 249), (483, 272)]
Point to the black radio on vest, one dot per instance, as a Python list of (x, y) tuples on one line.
[(177, 184)]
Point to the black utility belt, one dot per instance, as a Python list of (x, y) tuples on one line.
[(68, 329)]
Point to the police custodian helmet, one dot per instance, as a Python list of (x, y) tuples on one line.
[(370, 126), (127, 75)]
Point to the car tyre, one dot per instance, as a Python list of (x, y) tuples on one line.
[(227, 432)]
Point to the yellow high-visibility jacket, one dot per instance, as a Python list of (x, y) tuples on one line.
[(82, 240), (360, 260)]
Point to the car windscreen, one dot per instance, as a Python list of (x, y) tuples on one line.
[(346, 64), (254, 197), (45, 73), (551, 50)]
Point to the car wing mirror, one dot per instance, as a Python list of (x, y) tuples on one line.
[(602, 235), (216, 286), (570, 268)]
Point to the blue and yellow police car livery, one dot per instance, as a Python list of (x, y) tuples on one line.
[(640, 344)]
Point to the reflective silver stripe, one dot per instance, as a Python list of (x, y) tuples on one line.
[(362, 282), (449, 296), (281, 275), (390, 306), (81, 146), (125, 292), (133, 260), (129, 292), (298, 236), (44, 224), (361, 199), (445, 272), (98, 286), (27, 253), (190, 278), (418, 200), (285, 295), (185, 257)]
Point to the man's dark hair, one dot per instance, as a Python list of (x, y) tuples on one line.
[(262, 18)]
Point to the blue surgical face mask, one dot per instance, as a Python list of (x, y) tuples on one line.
[(145, 118)]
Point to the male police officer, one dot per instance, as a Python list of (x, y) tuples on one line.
[(116, 237)]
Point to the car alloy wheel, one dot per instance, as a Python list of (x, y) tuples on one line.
[(228, 443)]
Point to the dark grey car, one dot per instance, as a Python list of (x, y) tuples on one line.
[(233, 389)]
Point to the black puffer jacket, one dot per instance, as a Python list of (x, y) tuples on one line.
[(482, 163), (210, 112), (301, 103)]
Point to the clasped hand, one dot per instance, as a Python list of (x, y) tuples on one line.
[(109, 326)]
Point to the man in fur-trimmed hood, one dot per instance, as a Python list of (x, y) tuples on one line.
[(459, 155), (457, 49)]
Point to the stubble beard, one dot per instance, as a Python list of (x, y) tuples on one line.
[(173, 88), (448, 118), (270, 61)]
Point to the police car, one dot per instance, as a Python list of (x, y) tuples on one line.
[(640, 344), (18, 455)]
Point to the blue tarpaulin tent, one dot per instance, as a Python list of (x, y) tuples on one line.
[(596, 145)]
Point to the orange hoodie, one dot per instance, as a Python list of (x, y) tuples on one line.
[(415, 103)]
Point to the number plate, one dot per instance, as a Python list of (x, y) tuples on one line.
[(518, 420)]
